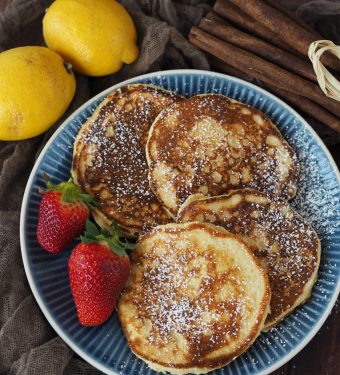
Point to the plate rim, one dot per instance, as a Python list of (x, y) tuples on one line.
[(69, 119)]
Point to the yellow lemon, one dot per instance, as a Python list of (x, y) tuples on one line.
[(35, 90), (95, 36)]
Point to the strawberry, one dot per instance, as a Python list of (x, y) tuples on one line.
[(98, 269), (63, 212)]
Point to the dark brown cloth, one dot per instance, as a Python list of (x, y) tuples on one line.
[(28, 345)]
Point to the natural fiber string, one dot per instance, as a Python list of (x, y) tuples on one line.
[(328, 83)]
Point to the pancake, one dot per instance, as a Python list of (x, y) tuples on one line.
[(210, 144), (109, 158), (195, 299), (287, 248)]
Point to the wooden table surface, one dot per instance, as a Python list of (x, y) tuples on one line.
[(322, 355)]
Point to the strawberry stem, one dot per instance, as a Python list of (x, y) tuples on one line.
[(70, 192), (93, 234)]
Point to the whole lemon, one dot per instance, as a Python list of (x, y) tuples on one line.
[(35, 90), (96, 37)]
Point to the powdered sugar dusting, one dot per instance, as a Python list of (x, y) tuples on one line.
[(210, 144), (190, 297), (317, 198), (286, 247), (110, 158)]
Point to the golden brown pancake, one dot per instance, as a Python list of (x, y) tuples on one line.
[(196, 298), (210, 144), (109, 158), (286, 246)]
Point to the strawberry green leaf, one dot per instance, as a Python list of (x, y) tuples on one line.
[(116, 229), (92, 234), (68, 196), (119, 251), (88, 199), (106, 233), (88, 239), (70, 192), (130, 245), (91, 229)]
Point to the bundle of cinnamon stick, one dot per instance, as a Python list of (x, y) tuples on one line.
[(261, 40)]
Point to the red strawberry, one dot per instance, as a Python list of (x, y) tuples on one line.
[(62, 215), (98, 272)]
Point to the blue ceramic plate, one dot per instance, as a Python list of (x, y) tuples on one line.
[(318, 200)]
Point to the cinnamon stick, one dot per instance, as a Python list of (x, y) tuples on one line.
[(215, 25), (261, 69), (294, 17), (303, 104), (285, 28), (232, 13), (223, 67), (307, 106)]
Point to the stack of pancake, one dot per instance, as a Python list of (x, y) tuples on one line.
[(204, 183)]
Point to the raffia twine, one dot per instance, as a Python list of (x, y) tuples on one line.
[(327, 82)]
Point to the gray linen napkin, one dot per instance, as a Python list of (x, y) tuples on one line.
[(28, 345)]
